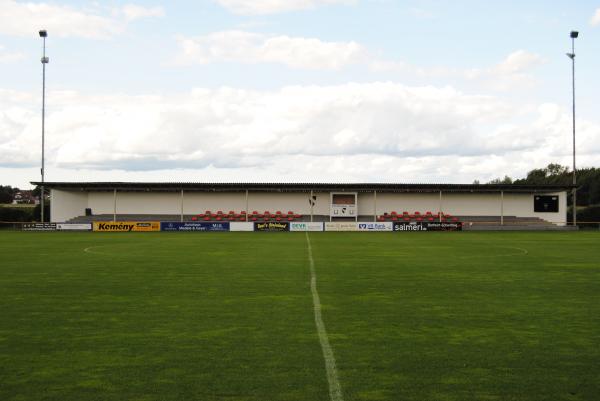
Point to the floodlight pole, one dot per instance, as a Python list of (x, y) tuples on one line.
[(44, 60), (574, 35)]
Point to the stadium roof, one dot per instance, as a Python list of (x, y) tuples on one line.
[(298, 187)]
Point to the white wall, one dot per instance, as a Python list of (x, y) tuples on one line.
[(68, 204), (65, 205)]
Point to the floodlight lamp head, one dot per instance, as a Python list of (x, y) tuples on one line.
[(43, 33), (571, 55), (574, 34)]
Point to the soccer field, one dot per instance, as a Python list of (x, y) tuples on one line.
[(231, 316)]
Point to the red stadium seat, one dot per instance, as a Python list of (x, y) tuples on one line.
[(406, 218), (381, 218), (297, 216), (206, 218), (253, 219), (290, 218)]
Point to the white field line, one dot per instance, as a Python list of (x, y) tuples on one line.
[(335, 390)]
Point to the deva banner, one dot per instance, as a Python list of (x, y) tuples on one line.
[(193, 226), (385, 226), (306, 226), (272, 226), (126, 226), (427, 226)]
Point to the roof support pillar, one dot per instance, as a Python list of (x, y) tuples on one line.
[(115, 204), (440, 211), (375, 205), (501, 208), (182, 205), (312, 204), (246, 205)]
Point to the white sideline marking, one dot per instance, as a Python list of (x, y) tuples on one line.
[(335, 390)]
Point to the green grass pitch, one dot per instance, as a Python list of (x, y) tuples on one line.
[(229, 316)]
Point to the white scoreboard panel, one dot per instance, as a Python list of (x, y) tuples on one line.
[(343, 204)]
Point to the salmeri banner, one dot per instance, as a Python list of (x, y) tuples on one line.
[(126, 226), (427, 226), (194, 226)]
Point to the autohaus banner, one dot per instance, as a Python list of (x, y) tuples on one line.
[(193, 226), (427, 226)]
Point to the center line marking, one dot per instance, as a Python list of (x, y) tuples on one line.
[(335, 390)]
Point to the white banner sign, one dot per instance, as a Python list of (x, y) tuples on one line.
[(74, 226), (241, 226), (385, 226), (341, 226), (306, 226)]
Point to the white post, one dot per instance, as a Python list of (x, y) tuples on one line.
[(375, 205), (182, 205), (440, 211), (501, 208), (312, 201), (115, 205)]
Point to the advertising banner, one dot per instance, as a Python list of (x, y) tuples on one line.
[(341, 226), (39, 227), (241, 226), (272, 226), (194, 226), (306, 226), (126, 226), (74, 226), (427, 226), (384, 226)]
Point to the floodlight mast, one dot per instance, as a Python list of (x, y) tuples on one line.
[(574, 35), (43, 34)]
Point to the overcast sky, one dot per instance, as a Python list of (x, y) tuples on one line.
[(296, 90)]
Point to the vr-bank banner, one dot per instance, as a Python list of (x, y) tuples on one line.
[(126, 226), (272, 226), (384, 226), (193, 226), (427, 226), (306, 226)]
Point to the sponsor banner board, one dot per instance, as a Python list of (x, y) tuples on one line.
[(194, 226), (341, 226), (126, 226), (241, 226), (428, 226), (300, 226), (272, 226), (39, 227), (382, 226), (74, 226)]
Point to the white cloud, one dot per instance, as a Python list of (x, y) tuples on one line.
[(258, 7), (596, 18), (26, 19), (248, 47), (354, 132), (8, 56), (134, 11)]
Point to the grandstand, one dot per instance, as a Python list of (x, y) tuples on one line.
[(477, 206)]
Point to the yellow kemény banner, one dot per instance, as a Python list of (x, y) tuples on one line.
[(126, 226)]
